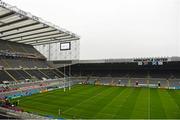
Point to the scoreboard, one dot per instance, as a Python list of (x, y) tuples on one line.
[(65, 46), (151, 61)]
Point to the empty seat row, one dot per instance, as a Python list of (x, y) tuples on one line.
[(25, 63), (4, 76), (22, 75), (18, 47)]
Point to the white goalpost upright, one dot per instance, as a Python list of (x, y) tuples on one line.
[(69, 85), (59, 111), (64, 79), (69, 77), (64, 87)]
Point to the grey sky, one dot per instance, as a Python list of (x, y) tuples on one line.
[(114, 28)]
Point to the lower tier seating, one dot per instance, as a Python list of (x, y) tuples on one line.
[(4, 76), (50, 73), (30, 74)]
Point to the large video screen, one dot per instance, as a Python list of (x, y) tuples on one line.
[(65, 46)]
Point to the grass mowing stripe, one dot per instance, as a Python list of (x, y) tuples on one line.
[(118, 103), (61, 96), (108, 102), (75, 88), (41, 107), (111, 101), (149, 103), (167, 103), (156, 108), (176, 96), (88, 101), (34, 101), (171, 107), (128, 106), (95, 93), (78, 108), (92, 106), (66, 103), (140, 110)]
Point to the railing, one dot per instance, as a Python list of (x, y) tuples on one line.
[(19, 115)]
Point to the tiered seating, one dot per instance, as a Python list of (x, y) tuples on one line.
[(59, 73), (37, 74), (50, 73), (159, 74), (19, 74), (20, 62), (17, 47), (28, 74), (174, 83), (4, 76), (37, 63), (14, 55), (16, 75), (4, 45), (17, 63), (139, 74), (23, 73)]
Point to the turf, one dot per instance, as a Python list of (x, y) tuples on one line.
[(88, 101)]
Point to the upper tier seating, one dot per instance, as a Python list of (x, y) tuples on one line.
[(15, 55), (17, 47), (22, 62)]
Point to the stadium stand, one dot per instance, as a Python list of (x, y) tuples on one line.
[(165, 70), (133, 70), (4, 76), (50, 73), (23, 69), (20, 62)]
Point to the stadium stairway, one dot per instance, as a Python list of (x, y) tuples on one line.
[(44, 74), (50, 73), (59, 72), (18, 74), (5, 76), (10, 75)]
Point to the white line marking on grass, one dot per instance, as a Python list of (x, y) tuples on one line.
[(149, 102)]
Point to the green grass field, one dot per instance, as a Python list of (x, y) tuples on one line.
[(88, 101)]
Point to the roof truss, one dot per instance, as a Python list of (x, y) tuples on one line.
[(19, 26)]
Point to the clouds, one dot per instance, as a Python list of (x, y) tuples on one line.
[(115, 28)]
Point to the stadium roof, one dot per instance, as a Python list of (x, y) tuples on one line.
[(123, 60), (19, 26)]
